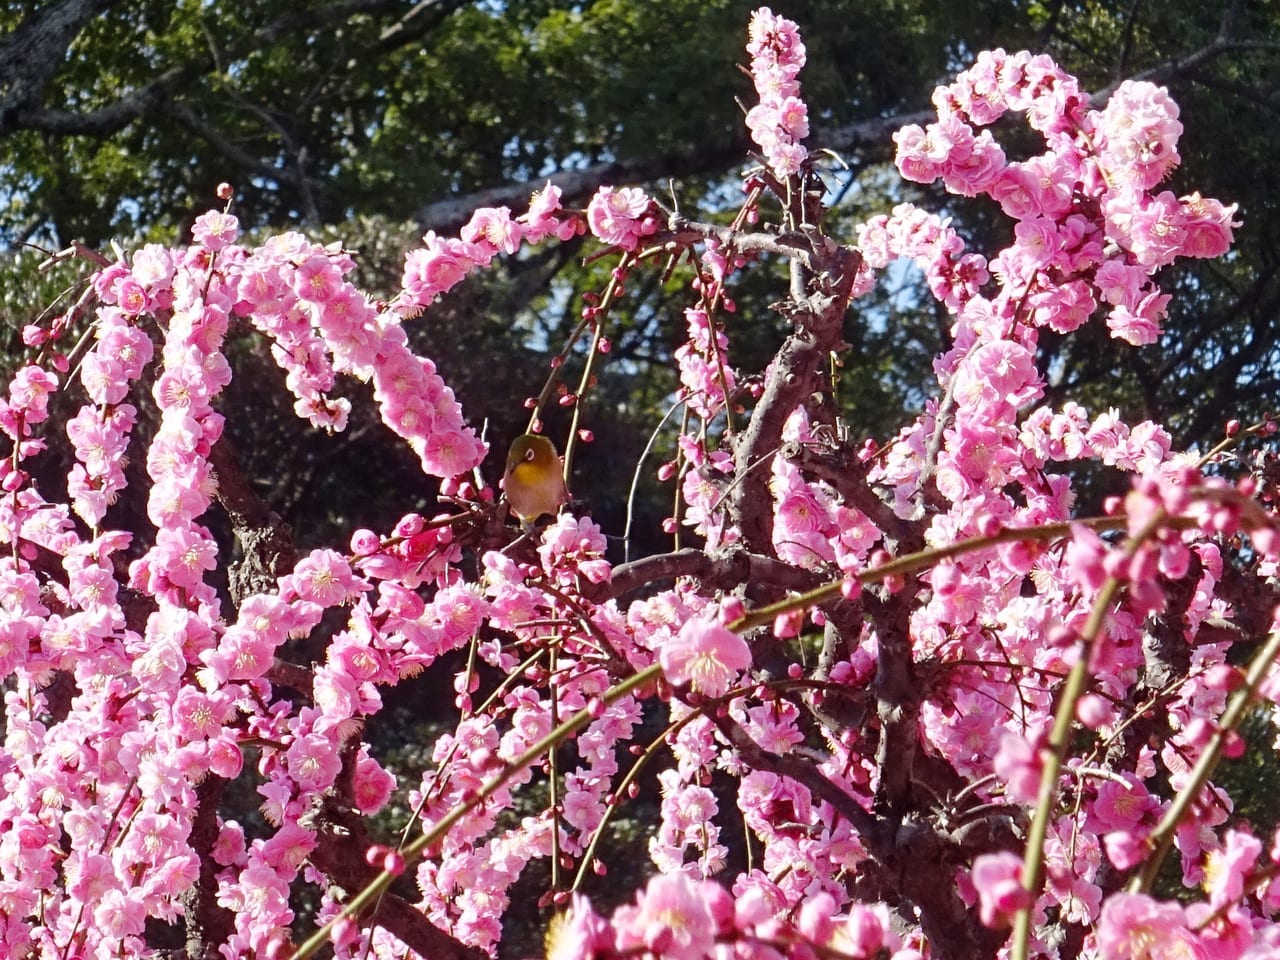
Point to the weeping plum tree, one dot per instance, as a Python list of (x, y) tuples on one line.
[(910, 703)]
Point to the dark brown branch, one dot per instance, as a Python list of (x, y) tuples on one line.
[(898, 695), (265, 540), (796, 374), (340, 855), (912, 854), (188, 118), (424, 17), (208, 923), (838, 466), (793, 246), (31, 56), (873, 831), (285, 674), (723, 572), (36, 50), (106, 120)]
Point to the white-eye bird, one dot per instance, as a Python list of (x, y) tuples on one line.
[(533, 480)]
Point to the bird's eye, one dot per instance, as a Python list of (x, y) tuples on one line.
[(529, 455)]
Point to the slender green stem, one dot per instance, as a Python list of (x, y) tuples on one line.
[(553, 768), (1162, 837), (923, 559), (651, 751), (1053, 755), (446, 823)]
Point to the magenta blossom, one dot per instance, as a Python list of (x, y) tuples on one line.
[(705, 655)]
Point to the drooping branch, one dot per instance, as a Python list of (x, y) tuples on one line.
[(724, 571), (339, 854)]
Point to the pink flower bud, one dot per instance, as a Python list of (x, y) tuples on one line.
[(1223, 677), (409, 525), (1198, 732), (1265, 540), (1093, 711), (815, 918), (787, 625), (732, 609), (945, 579), (343, 932), (393, 863), (1233, 745)]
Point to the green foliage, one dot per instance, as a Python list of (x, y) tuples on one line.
[(323, 117)]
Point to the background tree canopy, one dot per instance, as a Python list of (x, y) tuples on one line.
[(371, 121), (349, 118)]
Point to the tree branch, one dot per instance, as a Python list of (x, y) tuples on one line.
[(898, 694), (265, 541), (793, 377), (208, 924), (36, 50), (722, 572), (838, 466), (902, 850), (340, 855)]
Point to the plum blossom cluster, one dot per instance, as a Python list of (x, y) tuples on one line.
[(442, 262), (780, 121), (949, 584), (1089, 227), (707, 378), (621, 216), (677, 917)]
